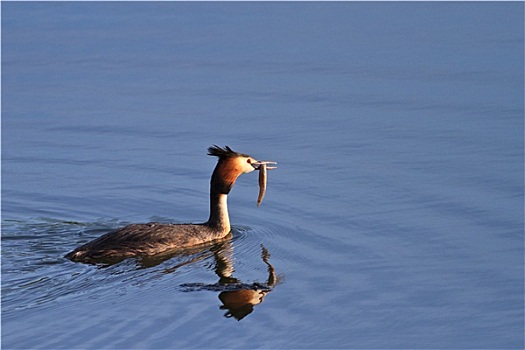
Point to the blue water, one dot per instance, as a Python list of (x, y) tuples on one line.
[(394, 219)]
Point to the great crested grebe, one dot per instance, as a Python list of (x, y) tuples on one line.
[(154, 238)]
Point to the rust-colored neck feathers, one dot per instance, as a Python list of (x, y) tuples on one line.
[(225, 174)]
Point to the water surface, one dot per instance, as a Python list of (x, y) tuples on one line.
[(394, 220)]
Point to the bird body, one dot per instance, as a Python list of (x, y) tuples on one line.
[(156, 238)]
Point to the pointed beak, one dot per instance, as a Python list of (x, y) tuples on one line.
[(258, 164)]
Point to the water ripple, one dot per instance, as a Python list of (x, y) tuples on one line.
[(36, 273)]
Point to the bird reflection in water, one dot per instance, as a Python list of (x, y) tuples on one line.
[(238, 298)]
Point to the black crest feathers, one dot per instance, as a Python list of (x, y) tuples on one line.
[(225, 152)]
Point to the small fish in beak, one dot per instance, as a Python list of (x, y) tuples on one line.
[(262, 183), (262, 167)]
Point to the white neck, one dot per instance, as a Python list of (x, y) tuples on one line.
[(219, 212)]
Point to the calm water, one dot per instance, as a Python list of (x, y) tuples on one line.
[(394, 220)]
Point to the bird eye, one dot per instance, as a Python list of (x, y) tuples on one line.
[(249, 160)]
